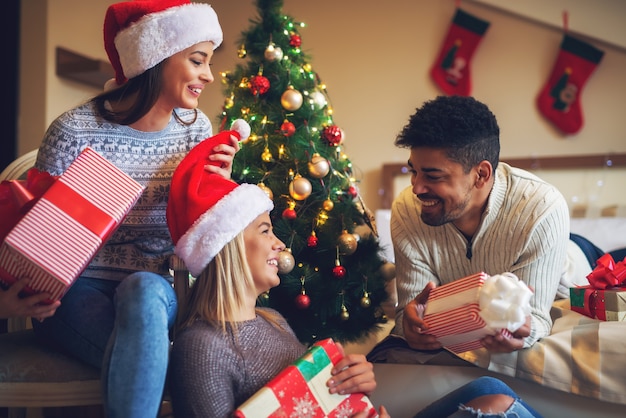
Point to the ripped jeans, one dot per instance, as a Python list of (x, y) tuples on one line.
[(452, 405)]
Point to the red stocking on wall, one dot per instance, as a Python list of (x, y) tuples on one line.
[(559, 100), (451, 70)]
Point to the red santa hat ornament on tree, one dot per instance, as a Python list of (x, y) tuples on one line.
[(205, 211), (140, 34)]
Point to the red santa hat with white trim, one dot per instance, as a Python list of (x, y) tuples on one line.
[(140, 34), (205, 211)]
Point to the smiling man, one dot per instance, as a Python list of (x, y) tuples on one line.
[(465, 212)]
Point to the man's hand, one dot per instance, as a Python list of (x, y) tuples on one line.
[(11, 305), (223, 153), (499, 344), (415, 329)]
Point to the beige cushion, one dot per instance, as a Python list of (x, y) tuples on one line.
[(32, 375)]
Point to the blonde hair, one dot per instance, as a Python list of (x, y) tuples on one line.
[(221, 290)]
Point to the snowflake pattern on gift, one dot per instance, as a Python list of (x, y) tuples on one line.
[(344, 411), (304, 407)]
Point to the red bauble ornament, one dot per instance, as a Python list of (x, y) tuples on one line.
[(303, 301), (259, 84), (289, 214), (287, 128), (339, 272), (312, 241), (295, 40), (333, 135), (352, 192)]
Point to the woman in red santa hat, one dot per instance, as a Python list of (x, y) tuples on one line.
[(225, 347), (118, 314)]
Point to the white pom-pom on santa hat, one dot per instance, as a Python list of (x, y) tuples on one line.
[(205, 211), (140, 34), (242, 127)]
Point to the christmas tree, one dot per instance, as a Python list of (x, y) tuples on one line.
[(332, 276)]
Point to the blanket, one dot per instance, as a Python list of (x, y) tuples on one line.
[(583, 356)]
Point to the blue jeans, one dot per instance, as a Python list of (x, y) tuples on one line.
[(452, 404), (122, 328)]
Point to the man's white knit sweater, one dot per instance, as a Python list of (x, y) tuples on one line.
[(524, 230)]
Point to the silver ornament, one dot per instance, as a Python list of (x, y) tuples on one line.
[(291, 99), (318, 166), (273, 53), (300, 188), (286, 262)]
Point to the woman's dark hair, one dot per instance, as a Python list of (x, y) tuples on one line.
[(462, 126), (146, 86)]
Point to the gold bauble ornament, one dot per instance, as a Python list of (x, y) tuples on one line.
[(300, 188), (267, 190), (286, 262), (347, 243), (345, 315), (291, 99), (328, 205), (366, 302), (318, 166), (229, 102)]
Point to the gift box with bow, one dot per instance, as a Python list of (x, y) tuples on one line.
[(462, 312), (300, 390), (605, 296), (58, 230)]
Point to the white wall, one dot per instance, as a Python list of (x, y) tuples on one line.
[(374, 59)]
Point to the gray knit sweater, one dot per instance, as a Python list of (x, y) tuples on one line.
[(524, 230), (143, 242), (211, 374)]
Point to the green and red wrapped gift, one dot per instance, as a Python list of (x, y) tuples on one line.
[(605, 296), (300, 390), (60, 224)]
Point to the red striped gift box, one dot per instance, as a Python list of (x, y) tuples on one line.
[(55, 241), (453, 314), (300, 390)]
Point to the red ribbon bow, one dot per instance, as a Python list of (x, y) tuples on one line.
[(608, 273), (18, 196)]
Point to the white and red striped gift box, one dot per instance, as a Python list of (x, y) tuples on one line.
[(463, 312), (60, 235)]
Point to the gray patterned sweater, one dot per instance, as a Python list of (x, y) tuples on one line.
[(211, 374), (142, 242)]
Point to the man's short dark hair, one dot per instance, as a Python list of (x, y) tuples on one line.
[(464, 127)]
